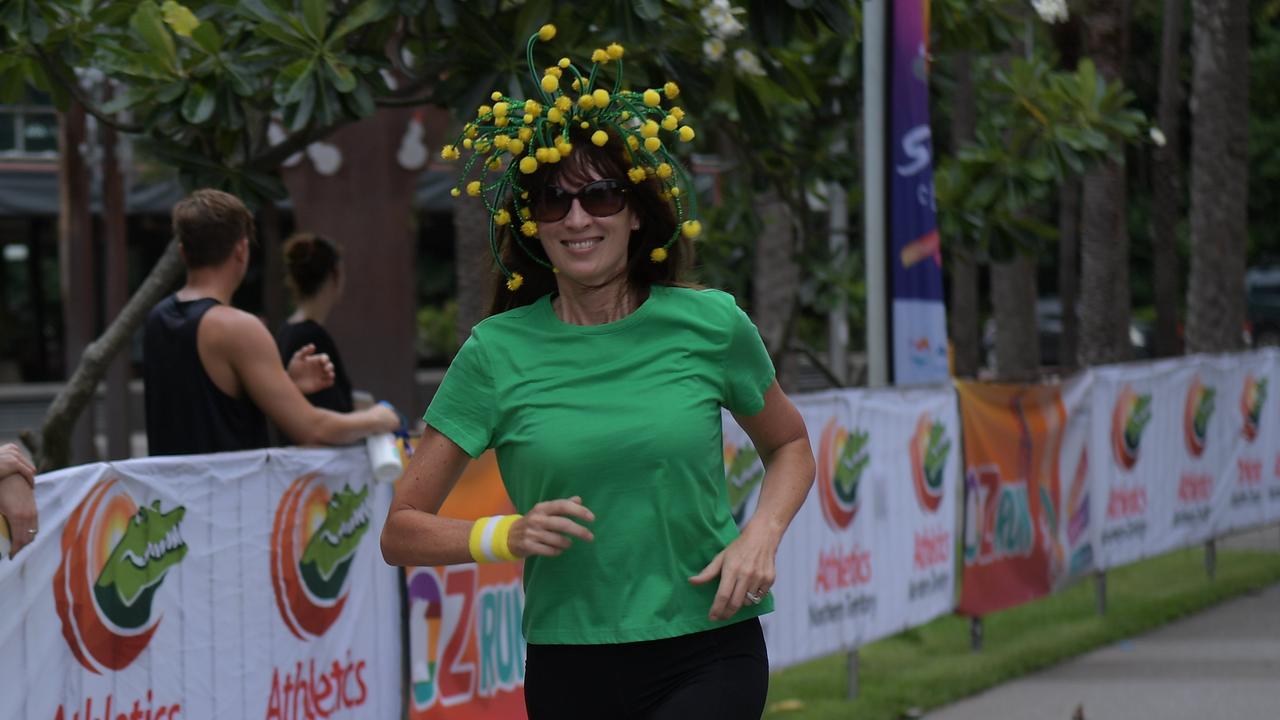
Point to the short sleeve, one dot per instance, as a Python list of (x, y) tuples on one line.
[(463, 407), (748, 370)]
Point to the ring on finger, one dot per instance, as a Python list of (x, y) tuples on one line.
[(32, 531), (753, 598)]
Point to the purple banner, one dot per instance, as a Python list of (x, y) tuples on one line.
[(919, 313)]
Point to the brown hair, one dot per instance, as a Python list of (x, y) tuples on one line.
[(309, 261), (657, 223), (208, 224)]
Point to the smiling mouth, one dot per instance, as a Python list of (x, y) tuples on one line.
[(580, 244)]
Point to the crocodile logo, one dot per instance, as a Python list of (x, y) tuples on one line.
[(743, 473), (314, 540), (1251, 402), (1129, 418), (115, 557), (1196, 416), (929, 448), (843, 456)]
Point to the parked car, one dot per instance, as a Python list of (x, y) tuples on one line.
[(1262, 305)]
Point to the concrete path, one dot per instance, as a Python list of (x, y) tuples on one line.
[(1222, 663)]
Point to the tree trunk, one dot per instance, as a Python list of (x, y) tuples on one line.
[(1013, 293), (75, 260), (966, 336), (1069, 271), (53, 448), (1219, 174), (774, 279), (1104, 241), (1166, 183), (119, 426), (473, 264)]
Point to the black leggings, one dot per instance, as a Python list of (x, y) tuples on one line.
[(721, 673)]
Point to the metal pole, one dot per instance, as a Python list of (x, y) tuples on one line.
[(852, 686), (874, 139), (1211, 558), (975, 633), (838, 318), (1100, 591)]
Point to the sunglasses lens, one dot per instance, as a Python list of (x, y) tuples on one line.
[(551, 205), (602, 200)]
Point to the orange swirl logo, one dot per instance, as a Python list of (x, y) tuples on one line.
[(1252, 399), (842, 458), (1196, 415), (1130, 417), (115, 556), (929, 448), (314, 539)]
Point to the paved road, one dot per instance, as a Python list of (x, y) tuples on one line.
[(1222, 663)]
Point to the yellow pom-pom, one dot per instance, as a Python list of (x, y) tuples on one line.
[(564, 103), (501, 141), (515, 147), (652, 98), (500, 109), (649, 129), (553, 155), (524, 212), (482, 146), (565, 148), (554, 115), (495, 164), (550, 83), (473, 188), (576, 84), (691, 229), (586, 102), (495, 96), (502, 217), (599, 56), (686, 134), (515, 281), (524, 133), (501, 122), (625, 116), (658, 255), (533, 107), (547, 32), (584, 125), (466, 143), (678, 113), (599, 138), (529, 228), (675, 192), (670, 123), (664, 171), (636, 174), (671, 89), (540, 154), (652, 144), (601, 98), (528, 165), (528, 119), (483, 110), (471, 130), (615, 51), (555, 72), (564, 63), (632, 142), (455, 192), (449, 152)]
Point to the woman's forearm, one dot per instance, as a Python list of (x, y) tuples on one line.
[(789, 472), (413, 538)]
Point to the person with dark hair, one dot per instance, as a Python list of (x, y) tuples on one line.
[(212, 371), (313, 272), (599, 379)]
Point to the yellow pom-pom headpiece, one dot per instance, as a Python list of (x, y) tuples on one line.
[(514, 138)]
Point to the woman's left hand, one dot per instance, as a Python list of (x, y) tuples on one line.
[(746, 570)]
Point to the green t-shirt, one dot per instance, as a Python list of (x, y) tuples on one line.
[(626, 415)]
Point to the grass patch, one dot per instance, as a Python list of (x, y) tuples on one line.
[(932, 665)]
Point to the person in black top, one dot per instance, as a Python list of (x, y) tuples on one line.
[(313, 272), (211, 371)]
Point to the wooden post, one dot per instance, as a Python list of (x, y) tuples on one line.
[(1100, 591), (1211, 558), (852, 686), (75, 263), (116, 261), (975, 633)]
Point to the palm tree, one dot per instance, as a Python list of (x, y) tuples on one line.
[(1166, 181), (1219, 174)]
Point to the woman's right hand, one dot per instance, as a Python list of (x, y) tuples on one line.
[(548, 528)]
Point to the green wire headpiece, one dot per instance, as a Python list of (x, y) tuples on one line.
[(513, 138)]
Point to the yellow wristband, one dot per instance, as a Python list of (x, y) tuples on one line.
[(488, 541)]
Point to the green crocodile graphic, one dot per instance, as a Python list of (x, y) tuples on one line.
[(1204, 410), (138, 564), (1137, 422), (853, 459), (743, 475), (935, 456), (1257, 401), (328, 555)]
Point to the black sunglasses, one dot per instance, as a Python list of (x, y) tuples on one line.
[(601, 198)]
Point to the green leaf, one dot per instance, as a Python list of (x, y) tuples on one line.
[(207, 37), (297, 116), (199, 104), (148, 25), (360, 101), (341, 75), (650, 10), (369, 11), (127, 99), (283, 35), (314, 15)]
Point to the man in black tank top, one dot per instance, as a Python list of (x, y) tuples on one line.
[(212, 372)]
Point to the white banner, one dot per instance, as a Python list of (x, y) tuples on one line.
[(228, 586), (871, 551)]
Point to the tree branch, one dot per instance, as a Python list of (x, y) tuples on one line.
[(73, 86), (274, 156), (54, 449)]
